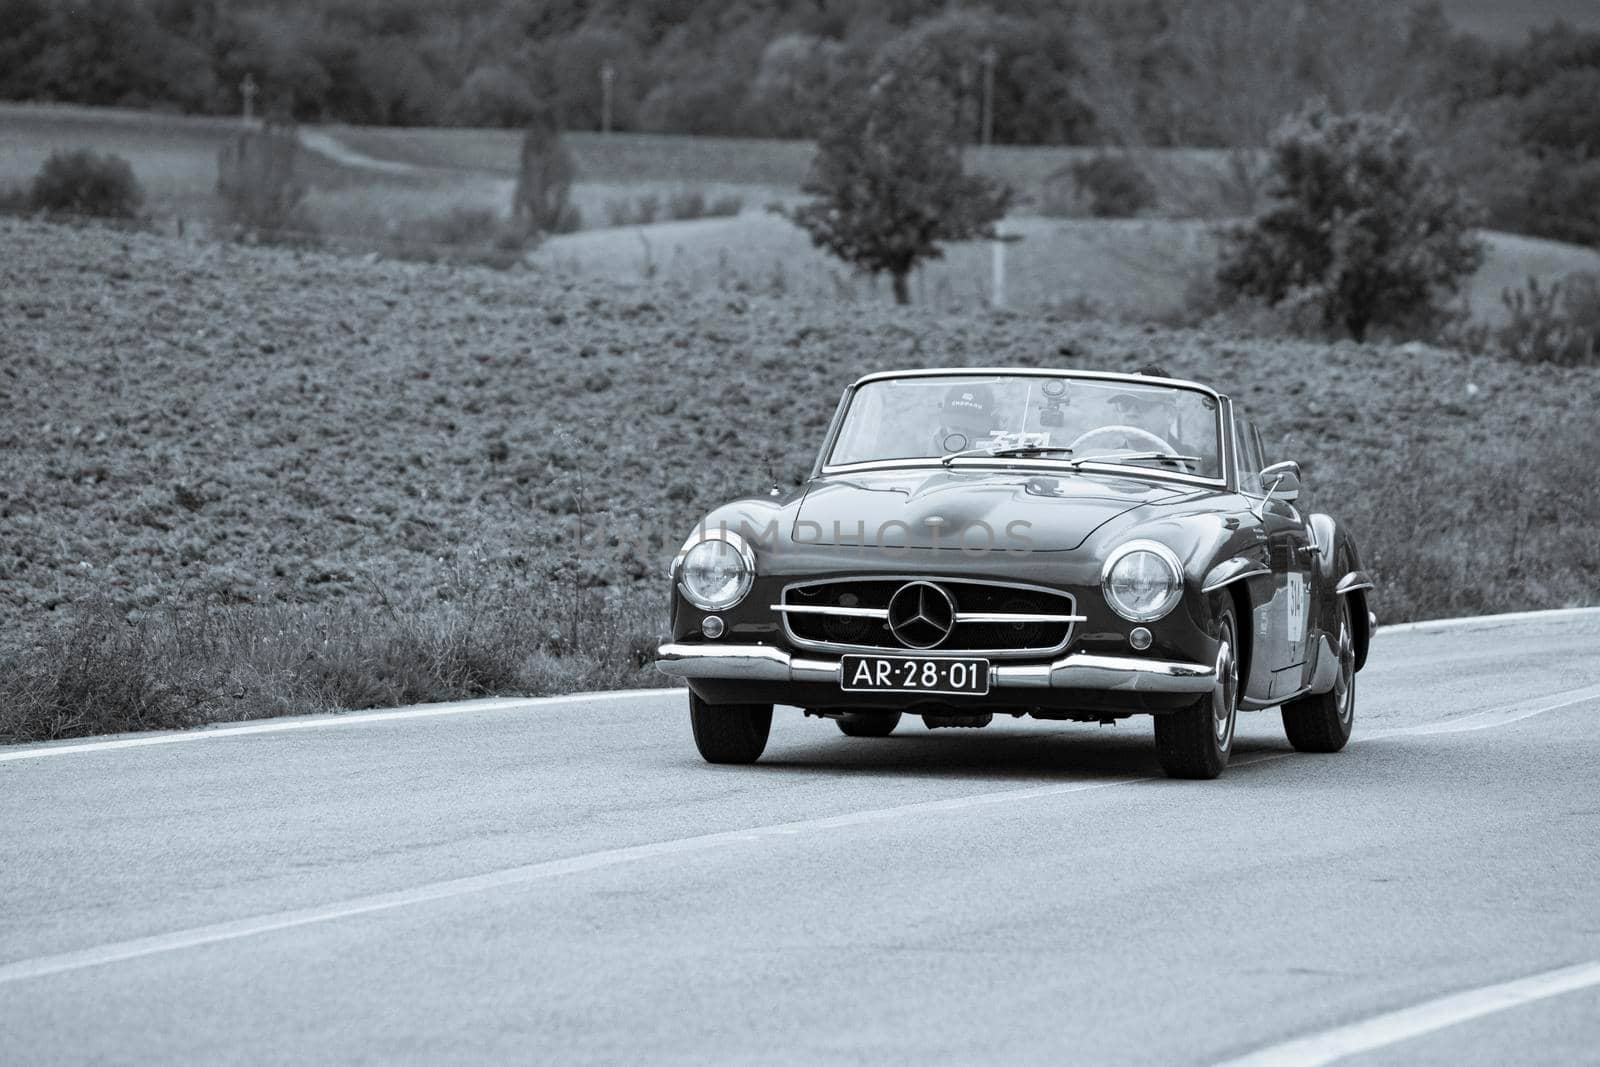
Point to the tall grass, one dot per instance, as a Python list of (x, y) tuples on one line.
[(1508, 523), (488, 631)]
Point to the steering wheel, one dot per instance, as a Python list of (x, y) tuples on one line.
[(1156, 443)]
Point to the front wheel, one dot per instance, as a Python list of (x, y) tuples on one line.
[(1196, 742), (1321, 722), (868, 723), (729, 733)]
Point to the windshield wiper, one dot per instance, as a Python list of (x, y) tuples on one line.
[(1014, 450), (1130, 457)]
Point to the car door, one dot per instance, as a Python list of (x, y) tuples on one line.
[(1283, 624)]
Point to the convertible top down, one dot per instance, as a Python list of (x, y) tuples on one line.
[(1058, 544)]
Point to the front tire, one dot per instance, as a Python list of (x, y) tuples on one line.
[(1196, 742), (1322, 722), (729, 733), (868, 723)]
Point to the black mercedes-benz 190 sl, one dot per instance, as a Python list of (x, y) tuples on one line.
[(1053, 543)]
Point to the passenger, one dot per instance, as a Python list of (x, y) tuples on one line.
[(966, 418)]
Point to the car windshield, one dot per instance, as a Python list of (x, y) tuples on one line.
[(1126, 422)]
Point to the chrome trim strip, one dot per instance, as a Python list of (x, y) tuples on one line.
[(1080, 670), (1034, 372), (825, 609), (961, 616), (1353, 582), (988, 653), (1001, 616), (1092, 466), (753, 663), (1233, 570)]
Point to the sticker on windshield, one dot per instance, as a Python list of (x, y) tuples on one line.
[(1014, 439)]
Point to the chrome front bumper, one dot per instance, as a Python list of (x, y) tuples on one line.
[(1079, 670)]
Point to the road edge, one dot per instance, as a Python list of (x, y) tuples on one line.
[(284, 723)]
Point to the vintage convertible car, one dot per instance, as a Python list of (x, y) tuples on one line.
[(1053, 543)]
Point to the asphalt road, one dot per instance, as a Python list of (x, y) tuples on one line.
[(566, 881)]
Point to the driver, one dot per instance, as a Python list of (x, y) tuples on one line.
[(1152, 412), (967, 413), (1155, 411)]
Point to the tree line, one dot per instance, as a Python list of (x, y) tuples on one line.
[(1174, 72), (1517, 124)]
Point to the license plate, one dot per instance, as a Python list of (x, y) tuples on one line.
[(908, 674)]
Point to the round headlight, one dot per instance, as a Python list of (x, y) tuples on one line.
[(717, 572), (1142, 581)]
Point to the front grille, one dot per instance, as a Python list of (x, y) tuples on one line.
[(843, 632)]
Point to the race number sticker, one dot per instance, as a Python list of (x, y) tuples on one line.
[(1296, 607), (1020, 439)]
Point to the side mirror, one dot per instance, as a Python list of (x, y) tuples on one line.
[(1282, 480)]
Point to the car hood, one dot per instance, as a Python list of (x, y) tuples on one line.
[(1009, 510)]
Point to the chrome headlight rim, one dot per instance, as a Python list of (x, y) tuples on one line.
[(1174, 566), (747, 579)]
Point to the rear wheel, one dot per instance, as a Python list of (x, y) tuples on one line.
[(730, 733), (1195, 742), (1321, 722), (868, 723)]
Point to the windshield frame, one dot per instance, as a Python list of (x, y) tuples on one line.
[(1042, 463)]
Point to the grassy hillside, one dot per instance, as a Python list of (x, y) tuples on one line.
[(315, 481), (1134, 270), (175, 157), (756, 163)]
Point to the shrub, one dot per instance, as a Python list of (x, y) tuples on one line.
[(1114, 186), (726, 206), (465, 233), (542, 195), (1558, 323), (14, 199), (261, 194), (1361, 227), (464, 224), (87, 183), (686, 204)]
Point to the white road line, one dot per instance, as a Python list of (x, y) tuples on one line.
[(1476, 622), (1395, 1026), (322, 722), (1484, 720), (455, 887), (533, 872)]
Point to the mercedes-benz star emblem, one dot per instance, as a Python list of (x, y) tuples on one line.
[(921, 615)]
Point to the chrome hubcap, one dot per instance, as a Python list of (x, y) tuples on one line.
[(1344, 683), (1225, 697)]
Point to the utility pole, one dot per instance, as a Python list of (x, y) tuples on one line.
[(997, 263), (990, 57), (247, 92), (608, 75)]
